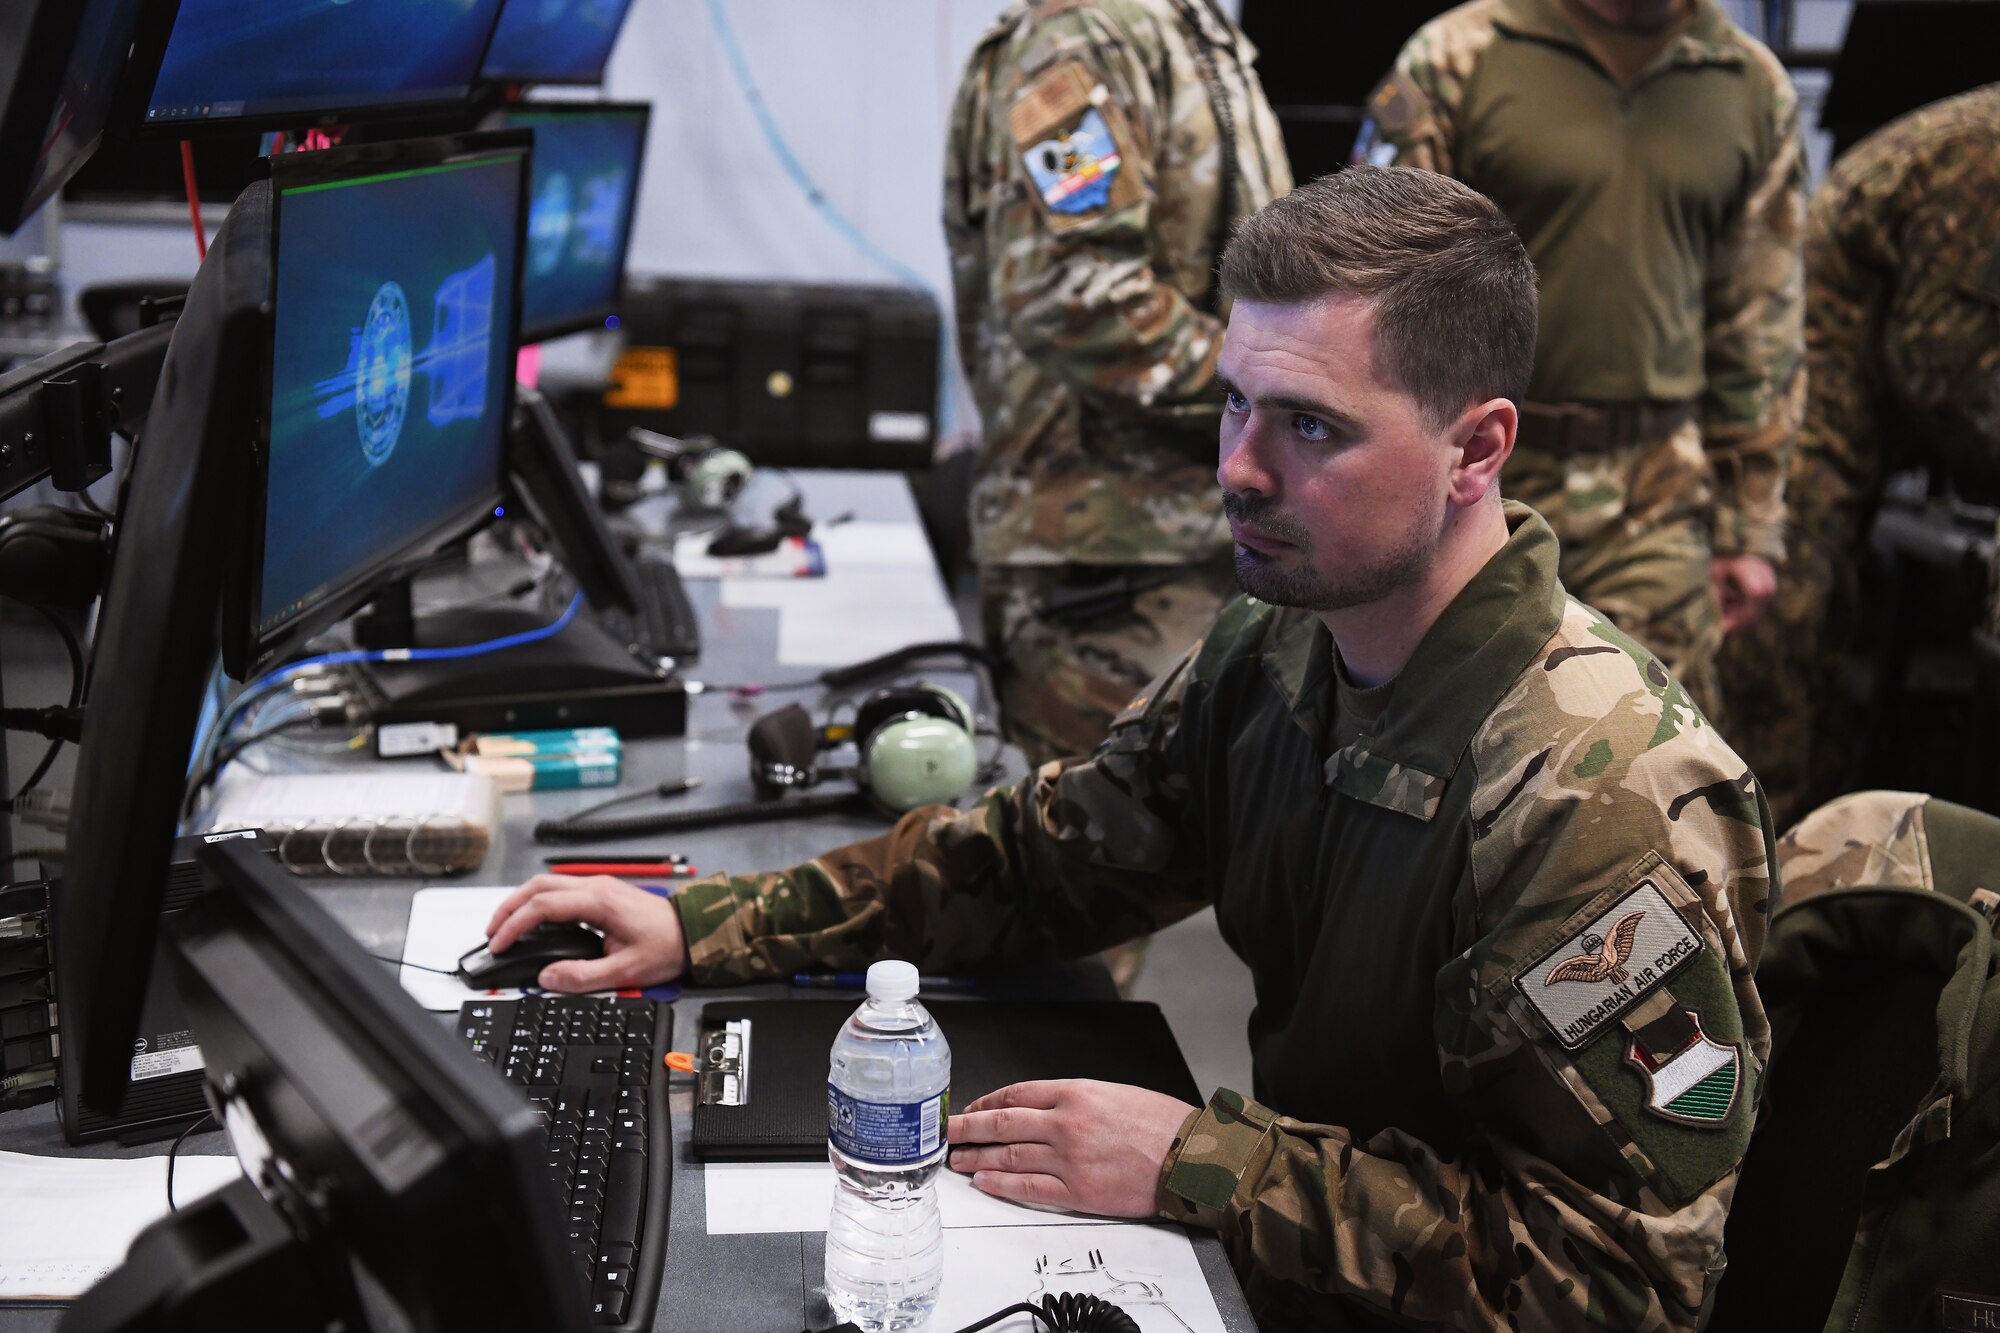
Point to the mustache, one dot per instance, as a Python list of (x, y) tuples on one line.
[(1261, 512)]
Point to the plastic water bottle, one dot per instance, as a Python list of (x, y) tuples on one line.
[(887, 1096)]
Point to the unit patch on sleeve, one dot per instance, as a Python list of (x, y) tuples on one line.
[(1070, 138), (1690, 1080), (1618, 958)]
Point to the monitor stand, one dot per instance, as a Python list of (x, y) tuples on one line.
[(580, 677)]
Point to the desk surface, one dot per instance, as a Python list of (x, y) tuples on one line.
[(740, 1282)]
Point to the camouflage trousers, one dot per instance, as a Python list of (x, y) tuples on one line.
[(1066, 680), (1889, 839), (1634, 527)]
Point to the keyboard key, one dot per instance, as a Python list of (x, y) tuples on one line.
[(625, 1199)]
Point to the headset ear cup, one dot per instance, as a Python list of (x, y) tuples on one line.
[(916, 744), (783, 748), (917, 760)]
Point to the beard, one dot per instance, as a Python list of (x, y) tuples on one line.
[(1289, 578)]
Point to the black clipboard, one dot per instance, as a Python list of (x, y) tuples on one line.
[(781, 1115)]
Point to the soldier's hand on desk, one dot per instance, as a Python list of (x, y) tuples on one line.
[(643, 942), (1069, 1143), (1743, 584)]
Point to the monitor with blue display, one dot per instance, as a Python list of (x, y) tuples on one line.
[(554, 41), (580, 205), (395, 306), (294, 63)]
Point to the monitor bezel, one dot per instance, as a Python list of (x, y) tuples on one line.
[(593, 317), (53, 33), (248, 644), (516, 80), (334, 116)]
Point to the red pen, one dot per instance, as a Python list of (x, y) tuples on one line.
[(624, 869)]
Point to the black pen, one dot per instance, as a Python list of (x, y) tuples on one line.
[(635, 859), (859, 981)]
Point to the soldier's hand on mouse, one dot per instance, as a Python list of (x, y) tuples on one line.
[(643, 941)]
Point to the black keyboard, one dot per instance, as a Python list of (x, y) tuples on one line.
[(594, 1068), (667, 625)]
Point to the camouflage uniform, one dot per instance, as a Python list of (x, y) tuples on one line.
[(1903, 353), (1663, 218), (1891, 839), (1086, 197), (1486, 938)]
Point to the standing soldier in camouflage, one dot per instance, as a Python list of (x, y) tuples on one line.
[(1903, 356), (1649, 151), (1101, 151), (1499, 885)]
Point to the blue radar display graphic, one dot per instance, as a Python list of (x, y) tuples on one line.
[(382, 395), (548, 223)]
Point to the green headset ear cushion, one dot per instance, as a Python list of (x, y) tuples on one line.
[(715, 478), (917, 760)]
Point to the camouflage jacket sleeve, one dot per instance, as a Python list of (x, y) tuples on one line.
[(1412, 114), (1080, 290), (1081, 855), (1586, 1193), (1754, 313)]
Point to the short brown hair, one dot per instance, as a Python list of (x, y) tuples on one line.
[(1453, 286)]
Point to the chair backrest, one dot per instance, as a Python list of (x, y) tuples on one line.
[(1852, 1073)]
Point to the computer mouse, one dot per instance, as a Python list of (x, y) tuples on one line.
[(520, 965)]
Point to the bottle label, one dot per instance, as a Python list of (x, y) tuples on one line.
[(886, 1133)]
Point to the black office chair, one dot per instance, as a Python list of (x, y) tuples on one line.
[(1885, 1007), (114, 309), (1821, 1129)]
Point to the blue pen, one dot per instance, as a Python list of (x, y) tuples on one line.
[(859, 981)]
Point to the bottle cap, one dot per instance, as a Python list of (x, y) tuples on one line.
[(892, 980)]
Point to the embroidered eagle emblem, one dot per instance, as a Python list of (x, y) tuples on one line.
[(1602, 959)]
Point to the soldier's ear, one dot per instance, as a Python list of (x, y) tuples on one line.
[(1484, 438)]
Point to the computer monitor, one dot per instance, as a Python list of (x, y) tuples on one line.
[(586, 186), (151, 658), (397, 1181), (390, 374), (196, 497), (283, 64), (554, 41), (62, 66)]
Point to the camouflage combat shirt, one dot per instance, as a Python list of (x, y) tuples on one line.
[(1506, 1044), (1084, 201), (1664, 219)]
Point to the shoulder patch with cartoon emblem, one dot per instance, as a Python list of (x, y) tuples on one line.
[(1072, 145)]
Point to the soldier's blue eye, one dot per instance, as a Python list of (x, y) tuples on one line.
[(1237, 402), (1311, 427)]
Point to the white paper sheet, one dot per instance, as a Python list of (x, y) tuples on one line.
[(797, 1196), (444, 923), (1147, 1270), (67, 1221), (880, 593)]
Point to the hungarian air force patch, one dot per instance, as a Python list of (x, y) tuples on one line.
[(1619, 957)]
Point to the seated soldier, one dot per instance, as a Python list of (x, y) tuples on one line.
[(1500, 886)]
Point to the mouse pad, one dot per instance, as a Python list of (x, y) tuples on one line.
[(993, 1043)]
